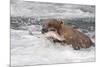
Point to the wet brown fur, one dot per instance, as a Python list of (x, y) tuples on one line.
[(71, 35)]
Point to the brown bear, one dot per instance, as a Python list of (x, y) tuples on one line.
[(66, 34)]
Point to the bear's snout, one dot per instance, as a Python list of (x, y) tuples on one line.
[(44, 30)]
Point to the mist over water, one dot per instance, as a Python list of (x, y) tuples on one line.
[(40, 9)]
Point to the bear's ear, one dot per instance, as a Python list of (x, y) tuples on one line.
[(61, 22)]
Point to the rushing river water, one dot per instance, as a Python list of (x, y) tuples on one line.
[(35, 49)]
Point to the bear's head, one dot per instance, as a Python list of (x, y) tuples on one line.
[(52, 25)]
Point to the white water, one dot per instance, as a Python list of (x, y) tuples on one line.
[(51, 10), (35, 49)]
